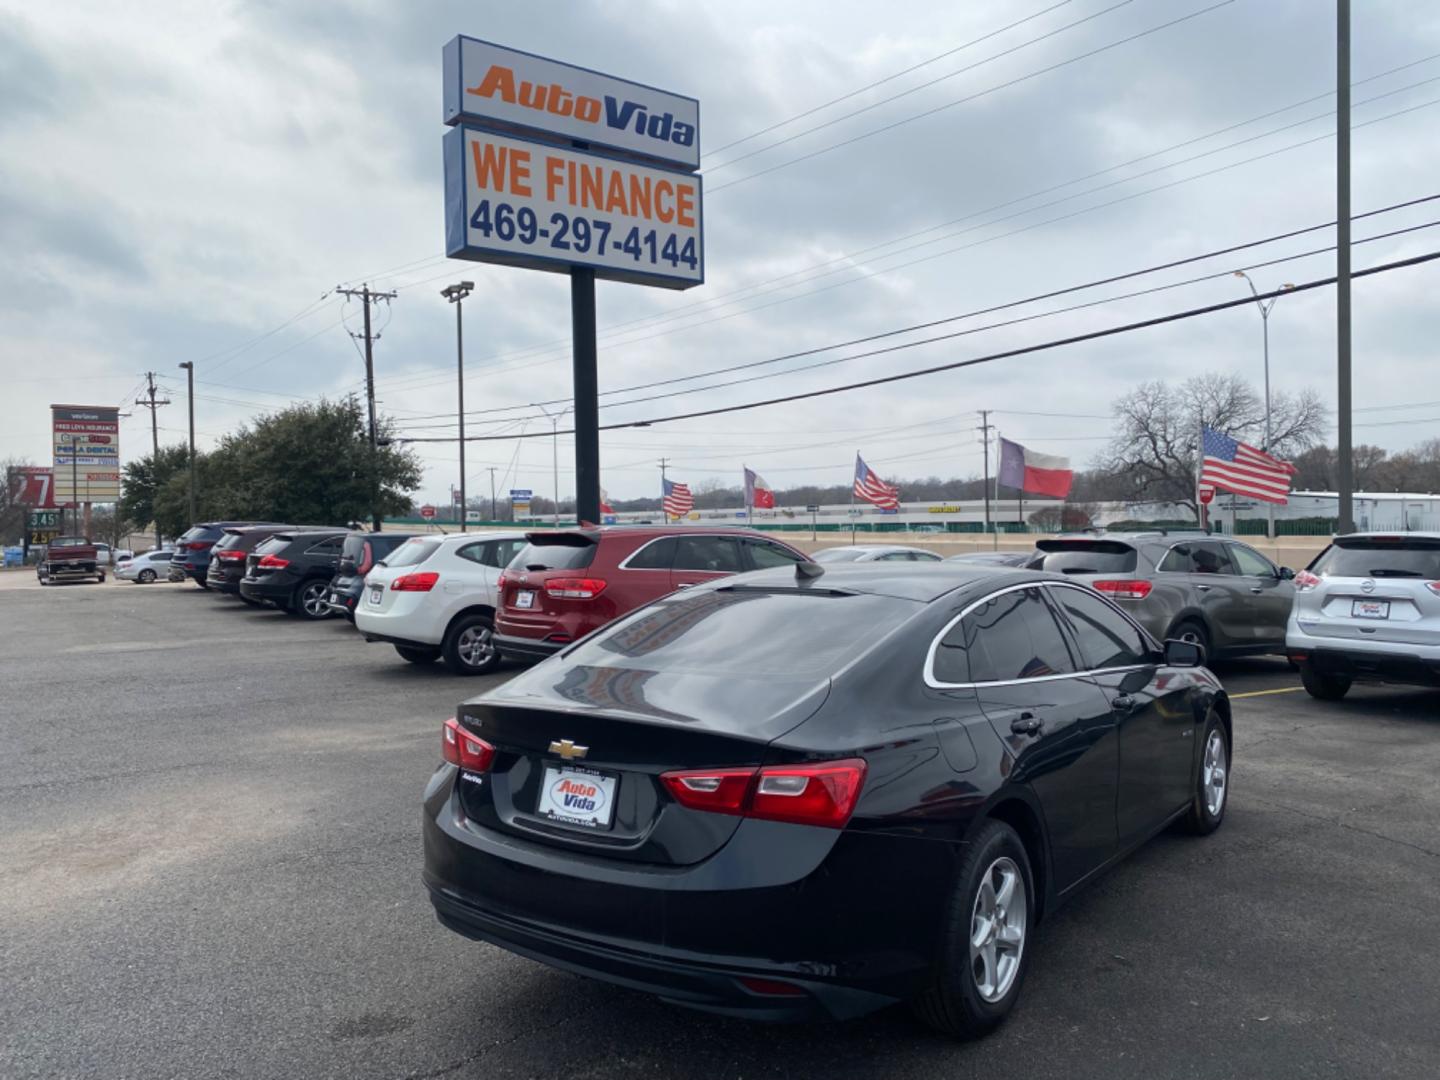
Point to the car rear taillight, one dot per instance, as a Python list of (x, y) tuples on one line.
[(1305, 581), (1128, 589), (424, 581), (823, 794), (1433, 586), (199, 545), (230, 556), (367, 559), (272, 562), (500, 581), (574, 588), (461, 748)]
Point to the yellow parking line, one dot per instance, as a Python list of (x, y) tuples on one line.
[(1263, 693)]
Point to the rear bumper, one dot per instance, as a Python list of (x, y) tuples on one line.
[(267, 592), (823, 914), (1388, 665), (65, 573), (528, 650)]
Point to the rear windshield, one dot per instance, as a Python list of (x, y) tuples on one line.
[(412, 552), (573, 554), (272, 545), (1087, 557), (230, 540), (1381, 556), (748, 633)]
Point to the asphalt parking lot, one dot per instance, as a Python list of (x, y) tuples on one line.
[(210, 854)]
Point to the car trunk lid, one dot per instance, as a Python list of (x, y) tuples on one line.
[(579, 757), (1375, 588)]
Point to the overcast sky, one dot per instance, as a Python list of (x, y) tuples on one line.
[(180, 181)]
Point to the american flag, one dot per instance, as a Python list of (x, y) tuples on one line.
[(871, 488), (1232, 466), (677, 501)]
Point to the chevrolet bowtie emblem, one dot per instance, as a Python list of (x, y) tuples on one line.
[(568, 750)]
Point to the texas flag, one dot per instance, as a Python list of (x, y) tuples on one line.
[(757, 491), (605, 507), (1039, 474)]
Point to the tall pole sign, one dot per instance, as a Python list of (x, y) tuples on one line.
[(87, 456), (549, 166)]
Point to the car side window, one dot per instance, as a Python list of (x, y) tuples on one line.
[(766, 555), (1106, 638), (924, 556), (505, 551), (331, 546), (1009, 637), (656, 555), (1211, 558), (708, 554), (1176, 560), (482, 553), (894, 556), (1251, 563)]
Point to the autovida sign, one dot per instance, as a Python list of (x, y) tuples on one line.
[(524, 186)]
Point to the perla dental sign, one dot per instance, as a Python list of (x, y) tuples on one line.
[(490, 84)]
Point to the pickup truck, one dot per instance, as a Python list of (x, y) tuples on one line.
[(70, 558)]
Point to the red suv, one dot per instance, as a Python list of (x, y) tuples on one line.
[(564, 584)]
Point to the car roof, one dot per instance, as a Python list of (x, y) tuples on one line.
[(874, 547), (1398, 536), (925, 582), (595, 533), (463, 537)]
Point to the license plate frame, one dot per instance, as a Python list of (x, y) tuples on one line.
[(525, 599), (377, 593), (551, 803), (1370, 609)]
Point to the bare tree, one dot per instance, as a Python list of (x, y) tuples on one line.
[(1155, 452)]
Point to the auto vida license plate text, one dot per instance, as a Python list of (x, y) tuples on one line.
[(577, 796), (1370, 609), (377, 593), (525, 599)]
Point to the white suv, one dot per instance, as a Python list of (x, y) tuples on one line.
[(1368, 609), (434, 596)]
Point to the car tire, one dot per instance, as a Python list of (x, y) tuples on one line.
[(1212, 780), (975, 987), (311, 599), (1193, 631), (469, 646), (100, 578), (145, 577), (1324, 687), (417, 656)]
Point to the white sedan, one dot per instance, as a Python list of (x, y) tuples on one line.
[(145, 568), (874, 553), (434, 596)]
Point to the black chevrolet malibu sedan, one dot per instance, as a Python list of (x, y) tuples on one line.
[(805, 793)]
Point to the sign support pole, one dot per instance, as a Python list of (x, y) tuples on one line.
[(587, 395)]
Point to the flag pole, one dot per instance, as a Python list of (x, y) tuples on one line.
[(1200, 515), (852, 500)]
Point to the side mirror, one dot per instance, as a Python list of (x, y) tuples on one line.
[(1286, 574), (1183, 653)]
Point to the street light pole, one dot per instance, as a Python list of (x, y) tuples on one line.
[(555, 450), (190, 395), (456, 295), (1265, 306)]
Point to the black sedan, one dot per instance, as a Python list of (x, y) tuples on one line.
[(813, 793)]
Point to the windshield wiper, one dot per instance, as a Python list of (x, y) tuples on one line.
[(1079, 570), (1384, 572)]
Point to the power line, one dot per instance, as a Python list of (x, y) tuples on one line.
[(888, 78), (711, 191), (993, 309), (1054, 343), (712, 169)]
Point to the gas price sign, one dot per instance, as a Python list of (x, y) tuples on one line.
[(525, 203)]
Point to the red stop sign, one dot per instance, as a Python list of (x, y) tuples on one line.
[(427, 511), (1206, 493)]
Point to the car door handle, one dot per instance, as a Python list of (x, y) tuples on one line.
[(1026, 723), (1257, 590), (1204, 588), (1122, 703), (684, 585)]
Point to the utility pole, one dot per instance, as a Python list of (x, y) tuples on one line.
[(663, 463), (456, 295), (190, 395), (554, 419), (367, 297), (587, 394), (1346, 522), (492, 494), (153, 403), (984, 430)]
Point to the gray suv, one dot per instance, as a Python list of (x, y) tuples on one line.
[(1368, 609), (1210, 590)]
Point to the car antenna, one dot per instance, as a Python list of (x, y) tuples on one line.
[(808, 570)]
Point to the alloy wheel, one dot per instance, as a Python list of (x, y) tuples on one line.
[(474, 646), (1213, 774), (313, 600), (997, 929)]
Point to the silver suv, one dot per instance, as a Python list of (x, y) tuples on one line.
[(1210, 590), (1368, 609)]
